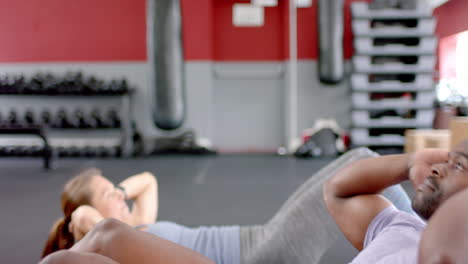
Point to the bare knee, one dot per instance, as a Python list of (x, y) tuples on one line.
[(101, 237), (61, 256), (72, 257), (108, 225), (107, 234)]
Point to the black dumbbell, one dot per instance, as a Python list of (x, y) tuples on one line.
[(79, 84), (19, 84), (106, 122), (113, 118), (101, 151), (21, 151), (29, 117), (36, 85), (25, 151), (45, 117), (73, 151), (105, 88), (123, 87), (109, 152), (95, 119), (65, 152), (61, 151), (100, 87), (114, 87), (116, 151), (31, 88), (5, 150), (2, 151), (72, 83), (89, 151), (3, 84), (74, 120), (8, 84), (33, 151), (51, 85), (97, 151), (90, 86), (12, 118), (83, 120), (85, 151), (10, 151), (66, 81), (61, 120)]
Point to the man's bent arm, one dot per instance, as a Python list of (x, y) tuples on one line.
[(352, 195)]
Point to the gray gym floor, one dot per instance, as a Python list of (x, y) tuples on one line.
[(193, 190)]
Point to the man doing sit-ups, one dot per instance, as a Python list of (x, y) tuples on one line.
[(371, 223)]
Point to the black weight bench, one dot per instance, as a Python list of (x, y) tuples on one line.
[(30, 130)]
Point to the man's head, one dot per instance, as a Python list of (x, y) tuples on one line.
[(446, 179), (445, 240)]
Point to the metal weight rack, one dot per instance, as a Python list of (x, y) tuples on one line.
[(90, 120)]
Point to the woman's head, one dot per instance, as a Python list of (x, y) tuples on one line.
[(108, 200), (77, 191)]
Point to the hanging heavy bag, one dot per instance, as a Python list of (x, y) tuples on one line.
[(330, 35), (166, 62)]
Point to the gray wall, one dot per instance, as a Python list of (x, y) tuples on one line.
[(248, 106), (317, 100), (235, 106), (241, 106)]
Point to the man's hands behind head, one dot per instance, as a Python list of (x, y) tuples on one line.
[(420, 164)]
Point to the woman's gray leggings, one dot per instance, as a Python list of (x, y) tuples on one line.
[(303, 230)]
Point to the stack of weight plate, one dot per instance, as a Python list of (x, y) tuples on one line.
[(392, 85)]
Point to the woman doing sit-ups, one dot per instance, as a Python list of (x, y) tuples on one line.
[(89, 197), (300, 232)]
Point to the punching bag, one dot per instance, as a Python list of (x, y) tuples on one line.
[(166, 62), (330, 35)]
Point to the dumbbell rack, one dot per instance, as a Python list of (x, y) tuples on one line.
[(74, 140), (392, 85)]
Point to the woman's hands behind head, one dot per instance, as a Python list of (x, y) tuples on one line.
[(83, 219)]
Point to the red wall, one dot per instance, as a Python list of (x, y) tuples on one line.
[(249, 43), (452, 18), (197, 29), (79, 30), (115, 30), (212, 27), (447, 57)]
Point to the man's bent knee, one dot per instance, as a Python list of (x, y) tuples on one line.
[(107, 225), (57, 257), (107, 233), (97, 239)]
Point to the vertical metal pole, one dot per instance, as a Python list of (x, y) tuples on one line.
[(127, 131), (292, 87)]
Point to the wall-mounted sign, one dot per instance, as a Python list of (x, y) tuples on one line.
[(247, 15), (265, 2), (432, 3), (303, 3)]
